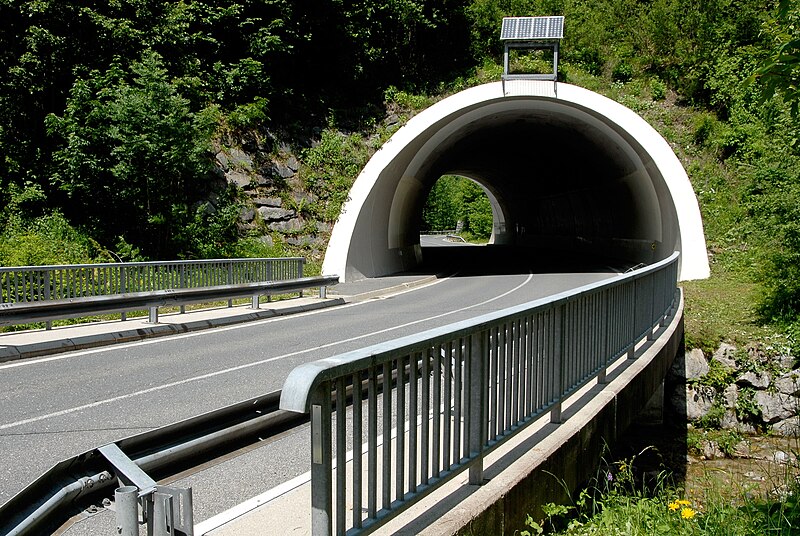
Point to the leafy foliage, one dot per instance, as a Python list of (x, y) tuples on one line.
[(134, 153), (454, 199)]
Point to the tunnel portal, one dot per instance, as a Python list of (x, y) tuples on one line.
[(568, 172)]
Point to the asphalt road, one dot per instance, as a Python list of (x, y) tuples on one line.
[(54, 408)]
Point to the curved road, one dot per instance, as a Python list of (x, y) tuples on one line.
[(56, 407)]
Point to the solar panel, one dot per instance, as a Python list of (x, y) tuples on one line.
[(528, 28)]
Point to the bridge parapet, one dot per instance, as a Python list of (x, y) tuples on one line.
[(438, 402)]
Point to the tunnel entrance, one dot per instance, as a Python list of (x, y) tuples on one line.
[(569, 174)]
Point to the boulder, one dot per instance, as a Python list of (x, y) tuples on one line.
[(293, 164), (775, 406), (789, 384), (689, 365), (759, 380), (247, 214), (240, 159), (288, 226), (699, 400), (724, 356), (267, 201), (240, 179), (787, 427), (275, 214), (283, 170)]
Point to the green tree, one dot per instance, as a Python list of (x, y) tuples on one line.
[(135, 157), (780, 73)]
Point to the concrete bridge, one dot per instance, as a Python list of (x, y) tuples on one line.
[(564, 168)]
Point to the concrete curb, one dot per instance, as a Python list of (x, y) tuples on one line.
[(39, 349)]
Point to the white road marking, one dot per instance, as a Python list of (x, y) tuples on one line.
[(253, 364)]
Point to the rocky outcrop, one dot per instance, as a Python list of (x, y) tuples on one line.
[(275, 203), (745, 390)]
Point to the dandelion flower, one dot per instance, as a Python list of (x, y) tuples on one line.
[(687, 513), (683, 502), (673, 506)]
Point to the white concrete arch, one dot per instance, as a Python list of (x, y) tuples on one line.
[(572, 169)]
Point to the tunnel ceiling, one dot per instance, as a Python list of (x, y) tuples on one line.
[(572, 175)]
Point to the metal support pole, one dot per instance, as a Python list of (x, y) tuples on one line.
[(153, 316), (321, 462), (478, 425), (558, 368), (126, 500), (323, 292), (123, 288), (254, 302)]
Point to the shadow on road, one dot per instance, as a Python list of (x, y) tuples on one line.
[(506, 260)]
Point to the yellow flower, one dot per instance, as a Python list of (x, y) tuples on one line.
[(687, 513), (683, 502), (673, 506)]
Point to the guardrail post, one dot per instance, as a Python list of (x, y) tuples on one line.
[(321, 462), (152, 318), (323, 292), (126, 500), (478, 400)]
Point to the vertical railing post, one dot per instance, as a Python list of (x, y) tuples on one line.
[(183, 284), (123, 288), (47, 296), (558, 366), (301, 269), (321, 462), (478, 425), (230, 279)]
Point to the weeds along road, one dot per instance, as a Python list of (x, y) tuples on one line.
[(57, 407)]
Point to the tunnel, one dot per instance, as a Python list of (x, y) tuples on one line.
[(569, 173)]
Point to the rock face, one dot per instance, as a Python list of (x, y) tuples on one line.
[(275, 201), (762, 394)]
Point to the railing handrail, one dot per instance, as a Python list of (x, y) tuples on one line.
[(303, 379), (45, 267)]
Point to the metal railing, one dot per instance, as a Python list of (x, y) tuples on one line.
[(37, 284), (438, 402)]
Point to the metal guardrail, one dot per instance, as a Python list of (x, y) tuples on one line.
[(84, 480), (38, 311), (65, 286), (450, 395)]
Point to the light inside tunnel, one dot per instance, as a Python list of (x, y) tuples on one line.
[(569, 171)]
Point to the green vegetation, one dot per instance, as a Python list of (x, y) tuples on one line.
[(618, 501), (458, 203)]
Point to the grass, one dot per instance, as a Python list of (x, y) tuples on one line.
[(618, 502)]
